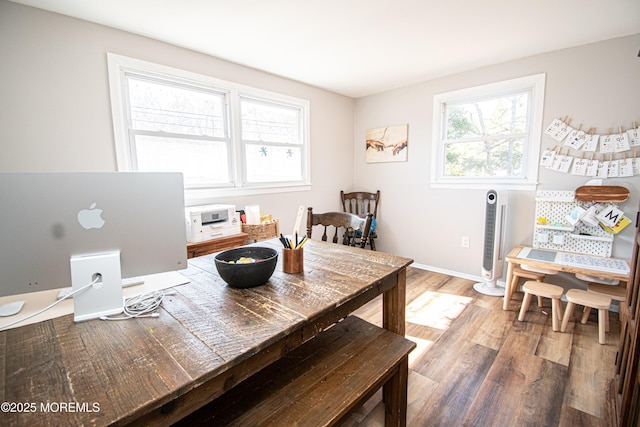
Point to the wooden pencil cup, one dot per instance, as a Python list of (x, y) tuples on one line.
[(292, 260)]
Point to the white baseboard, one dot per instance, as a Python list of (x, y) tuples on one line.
[(453, 273)]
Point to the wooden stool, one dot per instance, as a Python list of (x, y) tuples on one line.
[(596, 279), (542, 290), (617, 293), (520, 273), (602, 285), (591, 300)]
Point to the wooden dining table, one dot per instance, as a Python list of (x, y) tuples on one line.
[(208, 337)]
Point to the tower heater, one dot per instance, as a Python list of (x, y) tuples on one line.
[(495, 220)]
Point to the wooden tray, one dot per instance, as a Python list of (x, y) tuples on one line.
[(601, 193)]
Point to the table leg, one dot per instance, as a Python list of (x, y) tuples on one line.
[(507, 289), (394, 305), (394, 391)]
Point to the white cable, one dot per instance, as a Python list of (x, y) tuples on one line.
[(141, 306), (69, 295)]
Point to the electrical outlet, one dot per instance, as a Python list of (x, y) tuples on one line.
[(464, 241)]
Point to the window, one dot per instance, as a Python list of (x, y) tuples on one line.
[(488, 135), (271, 139), (226, 139)]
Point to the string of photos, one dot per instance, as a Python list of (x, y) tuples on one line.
[(599, 155)]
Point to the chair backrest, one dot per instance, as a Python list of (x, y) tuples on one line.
[(349, 222), (360, 202)]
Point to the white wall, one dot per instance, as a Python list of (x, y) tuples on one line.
[(55, 112), (597, 85), (55, 116)]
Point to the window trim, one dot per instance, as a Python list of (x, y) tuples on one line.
[(535, 83), (119, 64)]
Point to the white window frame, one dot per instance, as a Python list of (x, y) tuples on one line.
[(536, 85), (118, 65)]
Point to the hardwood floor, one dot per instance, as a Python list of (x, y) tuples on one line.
[(477, 365)]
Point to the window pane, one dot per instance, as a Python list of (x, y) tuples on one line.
[(489, 117), (269, 163), (269, 122), (201, 162), (494, 158), (165, 108)]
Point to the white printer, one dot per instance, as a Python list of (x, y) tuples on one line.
[(210, 222)]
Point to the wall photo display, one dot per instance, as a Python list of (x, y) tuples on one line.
[(387, 144), (612, 155)]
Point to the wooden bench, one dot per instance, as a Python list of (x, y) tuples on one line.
[(321, 382)]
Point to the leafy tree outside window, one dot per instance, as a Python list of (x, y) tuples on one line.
[(488, 135)]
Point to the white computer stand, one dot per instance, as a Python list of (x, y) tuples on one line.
[(105, 297)]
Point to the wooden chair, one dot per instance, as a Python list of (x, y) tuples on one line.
[(362, 203), (349, 222)]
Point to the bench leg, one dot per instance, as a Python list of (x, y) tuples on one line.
[(525, 305), (568, 312), (585, 315), (394, 395)]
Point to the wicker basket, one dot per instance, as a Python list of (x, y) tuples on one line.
[(262, 231)]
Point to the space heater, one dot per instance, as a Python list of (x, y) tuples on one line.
[(495, 220)]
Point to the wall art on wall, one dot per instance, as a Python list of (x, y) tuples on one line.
[(387, 144)]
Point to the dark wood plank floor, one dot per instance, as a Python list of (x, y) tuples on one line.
[(477, 365)]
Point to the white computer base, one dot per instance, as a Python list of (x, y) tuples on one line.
[(105, 297), (490, 288)]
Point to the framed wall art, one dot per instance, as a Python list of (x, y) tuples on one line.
[(387, 144)]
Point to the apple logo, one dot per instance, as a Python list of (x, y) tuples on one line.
[(91, 218)]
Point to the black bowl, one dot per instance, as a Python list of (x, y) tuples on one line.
[(238, 275)]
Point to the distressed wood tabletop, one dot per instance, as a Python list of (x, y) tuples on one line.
[(207, 338)]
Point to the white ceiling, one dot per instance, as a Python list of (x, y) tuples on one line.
[(361, 47)]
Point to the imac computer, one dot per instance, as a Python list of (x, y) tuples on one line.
[(71, 229)]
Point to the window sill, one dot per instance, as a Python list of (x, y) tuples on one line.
[(469, 185), (193, 197)]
